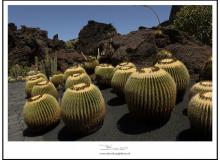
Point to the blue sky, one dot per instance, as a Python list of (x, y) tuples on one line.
[(68, 20)]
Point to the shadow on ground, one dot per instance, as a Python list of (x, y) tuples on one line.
[(127, 124), (192, 135), (116, 101)]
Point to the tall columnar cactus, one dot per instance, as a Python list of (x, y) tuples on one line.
[(150, 94), (77, 78), (90, 65), (41, 111), (72, 70), (30, 84), (179, 73), (83, 108), (44, 87), (57, 79), (202, 86), (125, 64), (200, 112), (120, 78), (206, 72), (163, 54), (104, 74)]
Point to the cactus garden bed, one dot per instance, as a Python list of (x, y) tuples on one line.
[(118, 126)]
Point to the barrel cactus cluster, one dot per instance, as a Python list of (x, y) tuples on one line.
[(104, 74), (77, 78)]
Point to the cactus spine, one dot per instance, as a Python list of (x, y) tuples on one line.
[(203, 86), (44, 87), (72, 70), (30, 84), (41, 111), (179, 73), (83, 108), (104, 74), (200, 112), (120, 78), (150, 94)]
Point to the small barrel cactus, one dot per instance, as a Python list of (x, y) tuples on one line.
[(83, 108), (77, 78), (57, 79), (162, 54), (150, 94), (104, 73), (41, 111), (206, 72), (120, 78), (30, 84), (90, 65), (203, 86), (44, 87), (127, 64), (200, 112), (179, 73), (72, 70)]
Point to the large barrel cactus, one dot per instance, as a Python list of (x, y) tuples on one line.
[(41, 111), (200, 112), (72, 70), (44, 87), (77, 78), (179, 73), (90, 65), (104, 73), (120, 78), (125, 64), (202, 86), (83, 108), (30, 84), (57, 79), (150, 94), (206, 72)]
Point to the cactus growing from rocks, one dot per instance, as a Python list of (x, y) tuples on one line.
[(179, 73), (41, 111), (90, 64), (203, 86), (57, 79), (77, 78), (127, 64), (30, 84), (200, 112), (150, 94), (104, 73), (120, 78), (44, 87), (83, 108), (206, 72), (72, 70)]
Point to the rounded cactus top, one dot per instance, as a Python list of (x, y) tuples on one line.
[(76, 76), (105, 65), (205, 83), (169, 62), (37, 98), (123, 64), (126, 69), (204, 97), (34, 78), (164, 51), (42, 83), (81, 87)]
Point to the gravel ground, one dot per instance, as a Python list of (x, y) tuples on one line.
[(117, 125)]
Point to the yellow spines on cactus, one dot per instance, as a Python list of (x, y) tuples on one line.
[(30, 84), (150, 94), (77, 78), (200, 112), (72, 70), (120, 78), (44, 87), (41, 111), (179, 73), (202, 86), (125, 64), (83, 108), (104, 73), (90, 65), (57, 79)]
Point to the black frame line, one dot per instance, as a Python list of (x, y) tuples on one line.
[(3, 34)]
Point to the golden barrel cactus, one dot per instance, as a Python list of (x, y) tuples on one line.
[(72, 70), (77, 78), (150, 94), (120, 78), (57, 79), (179, 73), (36, 74), (200, 112), (44, 87), (41, 111), (30, 84), (83, 108), (203, 86), (125, 64), (104, 74), (90, 65)]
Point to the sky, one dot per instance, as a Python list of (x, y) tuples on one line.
[(67, 21)]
